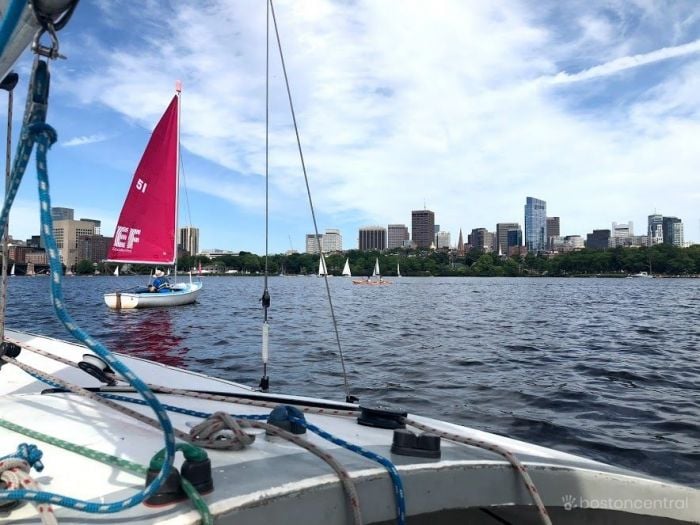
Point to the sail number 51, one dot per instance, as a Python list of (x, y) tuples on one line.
[(141, 185)]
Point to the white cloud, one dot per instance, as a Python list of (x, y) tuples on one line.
[(399, 105), (84, 140)]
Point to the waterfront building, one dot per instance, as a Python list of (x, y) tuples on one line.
[(396, 235), (332, 241), (622, 229), (443, 240), (213, 253), (655, 229), (313, 243), (514, 239), (62, 214), (502, 229), (568, 243), (535, 225), (93, 248), (673, 231), (481, 239), (423, 228), (372, 238), (598, 240), (189, 239), (67, 232), (553, 229)]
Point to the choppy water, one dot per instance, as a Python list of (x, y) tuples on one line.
[(606, 368)]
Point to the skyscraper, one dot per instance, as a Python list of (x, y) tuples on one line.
[(673, 231), (502, 229), (189, 239), (553, 230), (535, 225), (396, 235), (423, 228), (312, 243), (655, 229), (372, 238), (460, 243), (332, 241)]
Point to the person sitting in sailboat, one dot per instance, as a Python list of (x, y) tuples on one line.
[(159, 282)]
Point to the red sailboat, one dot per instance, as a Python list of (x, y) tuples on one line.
[(146, 230)]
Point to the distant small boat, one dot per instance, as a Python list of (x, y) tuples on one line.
[(322, 269), (346, 268), (371, 281), (643, 275), (398, 270), (116, 271), (12, 271)]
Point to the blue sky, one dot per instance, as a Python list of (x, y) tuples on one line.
[(466, 106)]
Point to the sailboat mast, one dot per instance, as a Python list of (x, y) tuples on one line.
[(178, 90)]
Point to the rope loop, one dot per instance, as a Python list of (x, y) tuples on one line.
[(37, 129), (213, 432)]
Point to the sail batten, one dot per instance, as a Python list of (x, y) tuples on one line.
[(145, 232)]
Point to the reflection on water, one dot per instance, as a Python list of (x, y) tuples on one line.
[(149, 334)]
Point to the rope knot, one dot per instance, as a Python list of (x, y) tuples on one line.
[(30, 454), (221, 431), (42, 128)]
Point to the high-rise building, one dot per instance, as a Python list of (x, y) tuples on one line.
[(332, 241), (62, 214), (93, 248), (97, 225), (481, 239), (535, 225), (312, 242), (396, 235), (553, 229), (622, 229), (598, 240), (673, 231), (67, 232), (502, 229), (443, 240), (372, 238), (423, 228), (460, 243), (514, 241), (189, 239), (655, 229)]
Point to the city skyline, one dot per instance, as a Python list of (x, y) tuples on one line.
[(589, 108)]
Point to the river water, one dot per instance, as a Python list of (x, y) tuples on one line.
[(605, 368)]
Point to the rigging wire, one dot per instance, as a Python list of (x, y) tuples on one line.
[(348, 397), (265, 299)]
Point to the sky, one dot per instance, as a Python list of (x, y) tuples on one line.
[(464, 107)]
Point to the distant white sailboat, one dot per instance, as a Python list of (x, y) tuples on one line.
[(376, 278), (398, 270), (322, 270), (116, 271), (346, 268), (12, 271)]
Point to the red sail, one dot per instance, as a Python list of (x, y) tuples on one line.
[(145, 232)]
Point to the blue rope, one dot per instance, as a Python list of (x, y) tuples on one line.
[(399, 495), (35, 130), (29, 453), (10, 22)]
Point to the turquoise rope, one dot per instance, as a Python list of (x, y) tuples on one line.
[(35, 130)]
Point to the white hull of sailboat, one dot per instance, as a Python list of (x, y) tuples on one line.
[(272, 479), (179, 294)]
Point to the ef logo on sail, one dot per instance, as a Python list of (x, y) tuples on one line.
[(126, 237)]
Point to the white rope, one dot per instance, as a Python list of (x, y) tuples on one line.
[(15, 474)]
